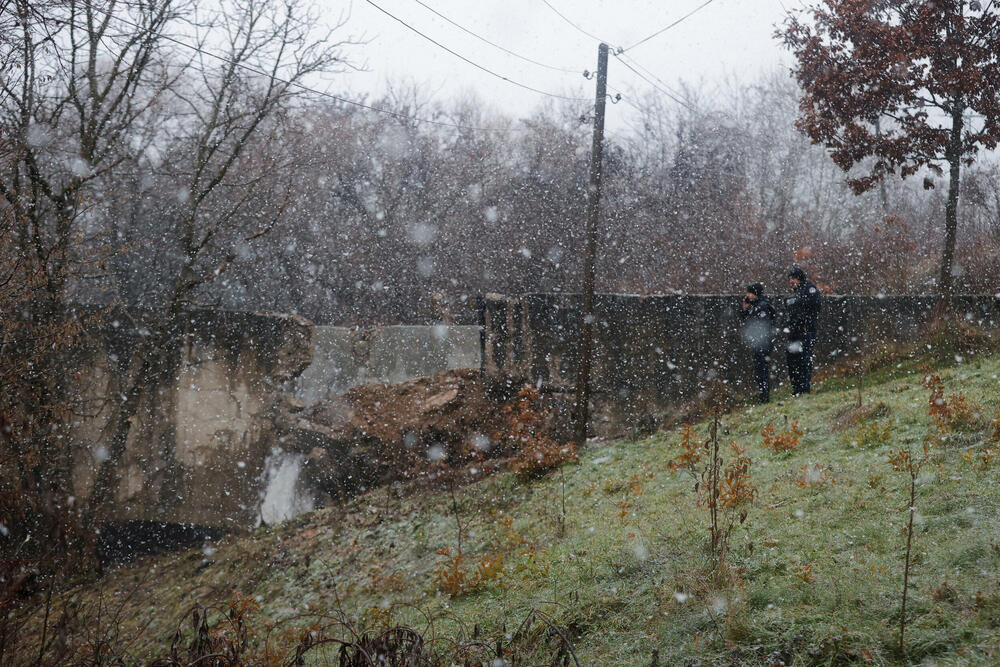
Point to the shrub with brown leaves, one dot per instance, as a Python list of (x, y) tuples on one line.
[(535, 453)]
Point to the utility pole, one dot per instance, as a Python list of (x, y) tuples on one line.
[(585, 344)]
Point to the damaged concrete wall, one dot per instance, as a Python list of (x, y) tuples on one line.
[(347, 357), (196, 452), (653, 353)]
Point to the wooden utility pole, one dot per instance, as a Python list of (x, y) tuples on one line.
[(585, 344)]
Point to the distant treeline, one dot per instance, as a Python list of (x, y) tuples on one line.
[(382, 220)]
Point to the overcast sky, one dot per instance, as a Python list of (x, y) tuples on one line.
[(724, 38)]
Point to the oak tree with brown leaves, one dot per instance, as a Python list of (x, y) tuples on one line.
[(895, 86)]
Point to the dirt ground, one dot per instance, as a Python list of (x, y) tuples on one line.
[(450, 407), (383, 433)]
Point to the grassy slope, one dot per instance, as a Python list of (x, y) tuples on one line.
[(627, 579)]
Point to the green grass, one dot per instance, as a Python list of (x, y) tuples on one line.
[(624, 580)]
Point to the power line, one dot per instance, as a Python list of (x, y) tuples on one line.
[(619, 53), (564, 18), (635, 63), (494, 45), (303, 87), (388, 112), (675, 98), (475, 64), (664, 29), (594, 37)]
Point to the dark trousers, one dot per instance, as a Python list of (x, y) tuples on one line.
[(762, 373), (800, 362)]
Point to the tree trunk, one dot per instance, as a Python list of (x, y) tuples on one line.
[(107, 478), (154, 365), (906, 567), (954, 157)]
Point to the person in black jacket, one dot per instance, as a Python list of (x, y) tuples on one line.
[(801, 313), (757, 328)]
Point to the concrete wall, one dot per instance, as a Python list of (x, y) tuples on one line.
[(346, 357), (196, 451), (655, 352)]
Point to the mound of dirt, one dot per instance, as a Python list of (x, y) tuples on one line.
[(383, 433), (448, 407)]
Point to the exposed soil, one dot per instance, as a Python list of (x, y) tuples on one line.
[(449, 407), (383, 433)]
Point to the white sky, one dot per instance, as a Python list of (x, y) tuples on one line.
[(726, 38)]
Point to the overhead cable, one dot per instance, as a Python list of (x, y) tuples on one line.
[(666, 28), (619, 52), (567, 20), (638, 65), (473, 63), (494, 45), (675, 98), (305, 88)]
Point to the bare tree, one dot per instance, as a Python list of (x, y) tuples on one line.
[(228, 186), (77, 88), (105, 107), (75, 92)]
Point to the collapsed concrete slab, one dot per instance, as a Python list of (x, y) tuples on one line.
[(256, 421), (392, 432)]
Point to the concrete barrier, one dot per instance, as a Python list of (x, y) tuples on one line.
[(656, 352), (197, 446)]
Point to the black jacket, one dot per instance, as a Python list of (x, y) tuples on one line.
[(802, 310), (757, 323)]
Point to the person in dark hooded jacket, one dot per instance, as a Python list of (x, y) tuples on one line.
[(757, 328), (801, 314)]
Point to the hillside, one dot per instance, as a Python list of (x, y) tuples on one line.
[(812, 576)]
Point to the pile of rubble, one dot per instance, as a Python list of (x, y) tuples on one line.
[(383, 433)]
